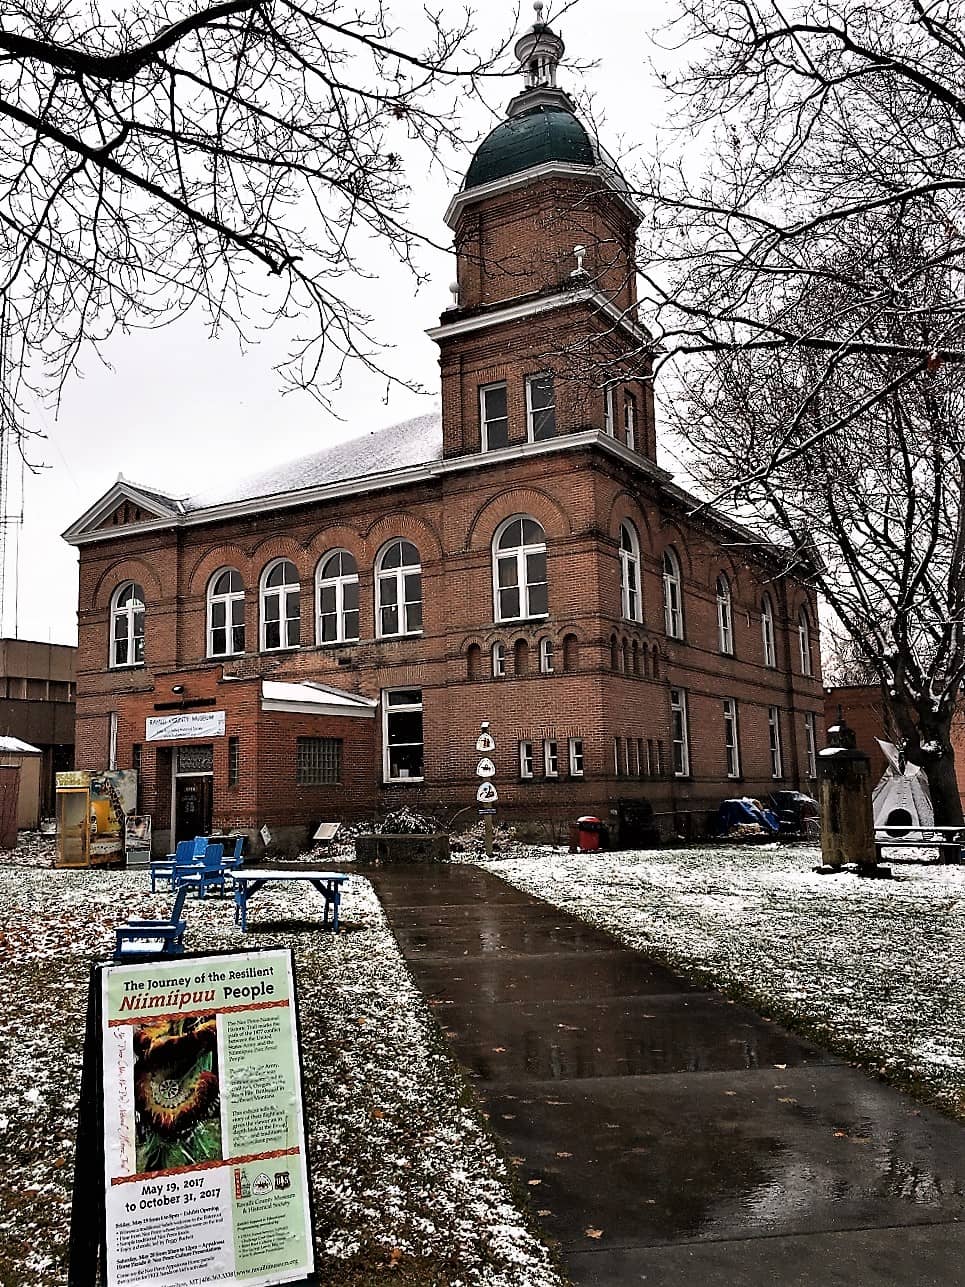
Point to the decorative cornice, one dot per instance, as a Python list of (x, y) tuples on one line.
[(542, 304), (548, 170)]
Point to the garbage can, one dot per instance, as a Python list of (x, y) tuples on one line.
[(589, 831)]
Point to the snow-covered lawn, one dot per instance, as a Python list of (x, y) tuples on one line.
[(873, 968), (408, 1185)]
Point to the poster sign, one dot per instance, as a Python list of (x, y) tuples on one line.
[(487, 793), (137, 837), (206, 1171), (485, 743), (485, 768), (186, 724)]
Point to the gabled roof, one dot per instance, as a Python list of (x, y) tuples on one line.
[(160, 507)]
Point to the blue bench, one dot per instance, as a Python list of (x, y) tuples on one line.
[(153, 937)]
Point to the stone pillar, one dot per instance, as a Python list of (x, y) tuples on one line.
[(847, 821)]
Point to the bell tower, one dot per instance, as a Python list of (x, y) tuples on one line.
[(542, 339)]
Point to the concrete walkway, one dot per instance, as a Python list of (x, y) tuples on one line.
[(666, 1135)]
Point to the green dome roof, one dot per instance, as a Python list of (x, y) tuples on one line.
[(533, 138)]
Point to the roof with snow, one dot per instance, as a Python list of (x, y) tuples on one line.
[(383, 451), (14, 746)]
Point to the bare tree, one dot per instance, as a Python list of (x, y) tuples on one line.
[(239, 155)]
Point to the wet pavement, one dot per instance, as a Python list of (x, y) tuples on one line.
[(666, 1135)]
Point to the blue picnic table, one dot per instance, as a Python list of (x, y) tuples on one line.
[(249, 880)]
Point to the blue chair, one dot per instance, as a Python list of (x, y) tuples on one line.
[(152, 937), (235, 859), (199, 873), (165, 870)]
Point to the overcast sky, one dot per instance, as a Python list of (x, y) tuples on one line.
[(178, 408)]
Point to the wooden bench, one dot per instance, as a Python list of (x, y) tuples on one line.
[(139, 938), (249, 880), (948, 840)]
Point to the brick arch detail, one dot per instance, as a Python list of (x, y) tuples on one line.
[(212, 560), (128, 568), (624, 507), (278, 547), (406, 527), (327, 540), (531, 501), (673, 536)]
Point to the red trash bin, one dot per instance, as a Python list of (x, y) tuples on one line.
[(588, 832)]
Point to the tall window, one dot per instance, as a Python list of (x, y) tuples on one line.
[(546, 656), (576, 757), (493, 417), (112, 740), (767, 631), (127, 625), (731, 739), (630, 420), (551, 758), (399, 581), (725, 616), (499, 660), (226, 614), (280, 606), (678, 732), (630, 572), (774, 738), (673, 612), (609, 413), (519, 571), (526, 759), (402, 744), (811, 744), (540, 407), (337, 598), (804, 641), (234, 761)]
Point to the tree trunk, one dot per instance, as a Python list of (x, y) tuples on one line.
[(943, 786)]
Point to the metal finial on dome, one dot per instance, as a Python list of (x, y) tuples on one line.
[(539, 51), (538, 6)]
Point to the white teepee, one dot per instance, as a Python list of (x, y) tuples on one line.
[(901, 797)]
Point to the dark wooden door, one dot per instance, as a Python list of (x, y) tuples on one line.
[(192, 809)]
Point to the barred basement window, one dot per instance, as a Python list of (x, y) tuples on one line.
[(234, 761), (319, 761)]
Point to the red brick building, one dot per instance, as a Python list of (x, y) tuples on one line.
[(322, 641)]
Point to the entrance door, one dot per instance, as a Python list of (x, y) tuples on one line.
[(192, 807)]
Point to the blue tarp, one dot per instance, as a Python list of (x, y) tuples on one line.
[(745, 810)]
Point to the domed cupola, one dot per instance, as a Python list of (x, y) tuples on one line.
[(541, 126)]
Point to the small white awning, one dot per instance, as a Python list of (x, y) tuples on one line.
[(315, 699), (14, 746)]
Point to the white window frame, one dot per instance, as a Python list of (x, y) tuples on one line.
[(112, 740), (609, 410), (732, 749), (546, 655), (804, 642), (725, 616), (281, 593), (485, 420), (774, 741), (767, 631), (397, 577), (525, 759), (617, 761), (531, 410), (228, 599), (551, 757), (396, 709), (678, 720), (631, 600), (127, 613), (499, 660), (518, 554), (673, 597), (811, 743), (338, 583), (630, 418), (577, 764)]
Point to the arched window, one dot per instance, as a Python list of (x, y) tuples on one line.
[(281, 623), (226, 614), (499, 660), (474, 662), (635, 656), (399, 590), (519, 570), (614, 653), (546, 656), (337, 598), (767, 631), (725, 616), (571, 653), (804, 641), (520, 657), (625, 656), (673, 603), (655, 662), (127, 625), (630, 572)]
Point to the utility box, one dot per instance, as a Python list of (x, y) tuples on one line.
[(847, 820)]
